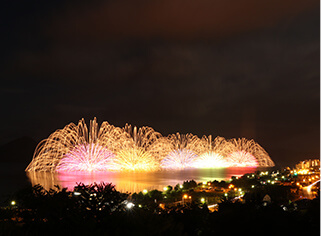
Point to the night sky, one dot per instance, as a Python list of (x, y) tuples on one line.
[(227, 68)]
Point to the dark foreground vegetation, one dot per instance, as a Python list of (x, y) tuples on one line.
[(99, 209)]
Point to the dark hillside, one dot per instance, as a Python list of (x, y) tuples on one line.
[(18, 151)]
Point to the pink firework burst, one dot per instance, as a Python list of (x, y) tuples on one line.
[(86, 158), (241, 159), (179, 159)]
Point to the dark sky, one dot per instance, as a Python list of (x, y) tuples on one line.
[(227, 68)]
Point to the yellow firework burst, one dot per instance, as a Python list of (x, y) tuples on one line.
[(135, 159)]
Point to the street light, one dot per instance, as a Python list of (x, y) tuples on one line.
[(130, 205)]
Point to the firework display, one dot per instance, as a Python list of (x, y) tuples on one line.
[(135, 159), (241, 159), (90, 157), (210, 160), (179, 159), (75, 148)]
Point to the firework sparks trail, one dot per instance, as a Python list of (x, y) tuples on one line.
[(64, 144), (140, 152), (210, 160), (135, 159), (86, 158), (179, 159), (183, 150), (105, 148), (248, 150), (241, 159)]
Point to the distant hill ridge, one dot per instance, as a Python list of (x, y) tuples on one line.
[(19, 150)]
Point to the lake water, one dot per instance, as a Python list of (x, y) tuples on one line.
[(13, 178), (136, 181)]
